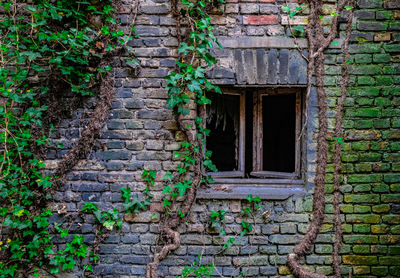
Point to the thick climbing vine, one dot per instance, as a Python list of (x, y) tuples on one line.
[(186, 86), (318, 43), (47, 49)]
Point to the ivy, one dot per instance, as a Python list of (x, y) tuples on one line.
[(45, 47)]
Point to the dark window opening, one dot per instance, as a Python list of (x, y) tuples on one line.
[(223, 121), (279, 131), (254, 133)]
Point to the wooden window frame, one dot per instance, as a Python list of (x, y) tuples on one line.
[(258, 173), (258, 134), (242, 135)]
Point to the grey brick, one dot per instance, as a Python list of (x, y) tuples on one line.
[(268, 270), (130, 238), (160, 115), (239, 69), (284, 239), (369, 3), (134, 103), (261, 63), (283, 66), (114, 155), (154, 9), (272, 66), (249, 66)]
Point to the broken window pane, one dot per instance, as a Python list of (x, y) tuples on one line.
[(223, 119), (279, 132)]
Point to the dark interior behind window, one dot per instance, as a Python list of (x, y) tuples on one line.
[(223, 116), (279, 126)]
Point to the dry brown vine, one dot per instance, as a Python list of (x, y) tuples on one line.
[(168, 225), (338, 148), (318, 43)]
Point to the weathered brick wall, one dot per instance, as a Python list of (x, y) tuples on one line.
[(141, 134)]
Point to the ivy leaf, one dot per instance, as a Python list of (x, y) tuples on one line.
[(183, 186), (167, 176)]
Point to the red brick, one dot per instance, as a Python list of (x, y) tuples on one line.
[(260, 20)]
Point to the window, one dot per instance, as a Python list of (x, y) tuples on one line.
[(255, 133)]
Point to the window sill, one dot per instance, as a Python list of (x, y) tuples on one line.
[(266, 189)]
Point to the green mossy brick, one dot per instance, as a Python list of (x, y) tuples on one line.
[(346, 208), (395, 271), (382, 58), (361, 209), (390, 198), (394, 26), (384, 80), (391, 134), (381, 123), (360, 260), (382, 101), (380, 146), (363, 218), (362, 188), (391, 218), (365, 80), (395, 146), (349, 158), (363, 178), (370, 157), (389, 239), (363, 58), (396, 79), (361, 198), (390, 112), (365, 70), (391, 157), (395, 229), (360, 146), (359, 270), (333, 70), (362, 124), (396, 101), (391, 47), (347, 229), (379, 229), (389, 260), (363, 167), (395, 123), (379, 270), (381, 208), (364, 101), (361, 249), (394, 250), (364, 92), (396, 167), (389, 70), (367, 112), (365, 48), (323, 249), (378, 249), (384, 15), (391, 91), (380, 188), (391, 178), (361, 228), (395, 187)]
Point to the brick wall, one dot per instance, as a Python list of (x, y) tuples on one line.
[(141, 134)]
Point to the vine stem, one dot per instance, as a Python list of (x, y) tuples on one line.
[(317, 45), (338, 148)]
